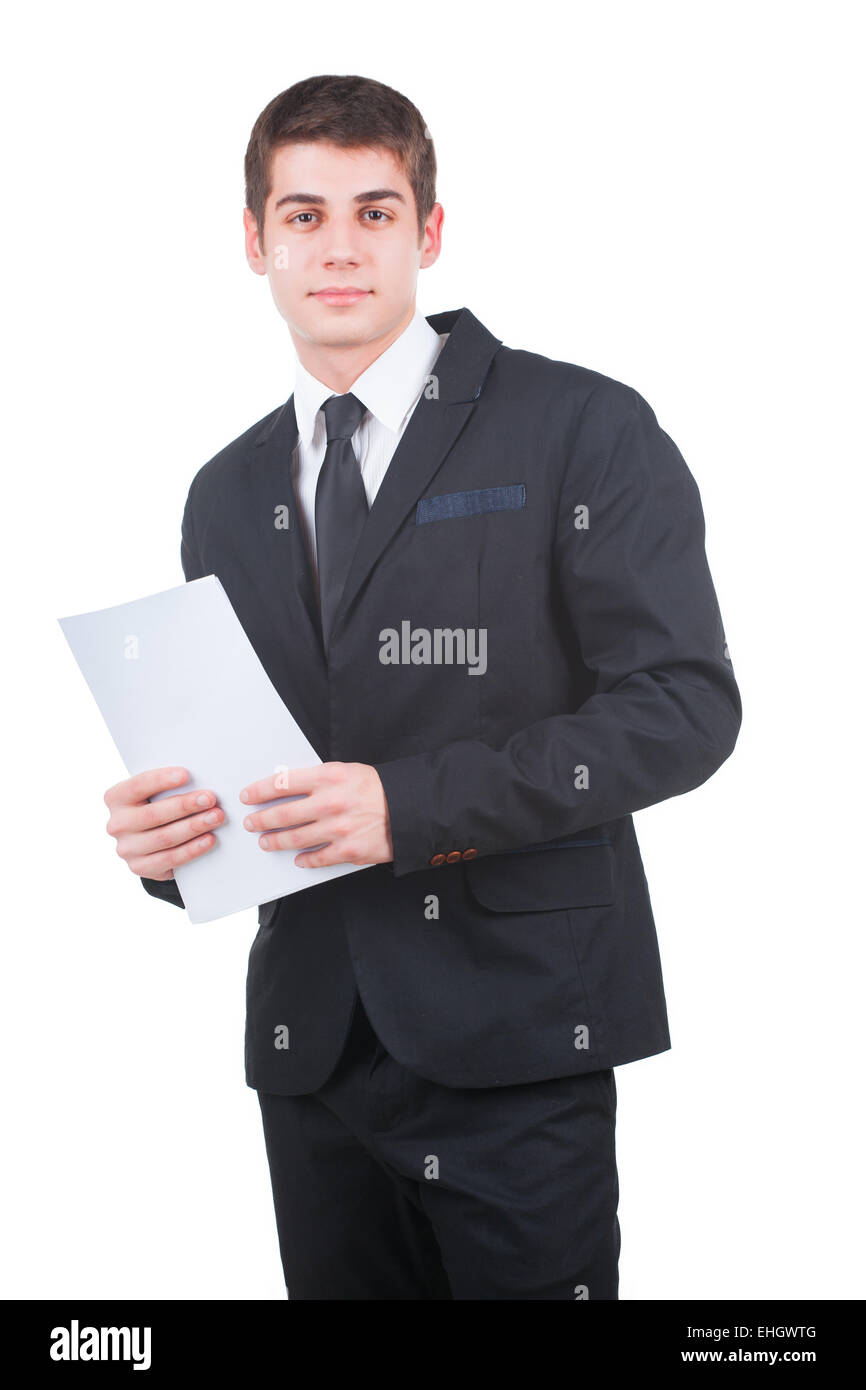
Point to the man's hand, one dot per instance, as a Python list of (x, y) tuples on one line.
[(343, 807), (157, 837)]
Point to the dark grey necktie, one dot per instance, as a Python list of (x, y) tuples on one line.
[(341, 504)]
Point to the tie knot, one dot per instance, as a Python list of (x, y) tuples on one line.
[(342, 416)]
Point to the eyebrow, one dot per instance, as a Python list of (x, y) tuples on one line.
[(374, 195)]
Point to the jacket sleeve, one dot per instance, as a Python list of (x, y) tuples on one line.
[(167, 889), (641, 609)]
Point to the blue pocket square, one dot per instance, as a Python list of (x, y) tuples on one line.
[(482, 499)]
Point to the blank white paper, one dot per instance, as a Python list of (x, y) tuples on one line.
[(178, 683)]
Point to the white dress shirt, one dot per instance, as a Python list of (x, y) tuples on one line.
[(390, 389)]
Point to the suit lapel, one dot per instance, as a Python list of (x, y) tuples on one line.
[(286, 583), (436, 421), (272, 465)]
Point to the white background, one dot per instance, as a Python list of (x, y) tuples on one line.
[(664, 192)]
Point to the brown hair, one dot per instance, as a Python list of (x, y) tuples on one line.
[(352, 112)]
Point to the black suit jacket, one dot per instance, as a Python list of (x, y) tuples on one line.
[(512, 938)]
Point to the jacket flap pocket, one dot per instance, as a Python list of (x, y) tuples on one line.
[(573, 874), (267, 911)]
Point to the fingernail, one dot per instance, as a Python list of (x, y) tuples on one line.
[(203, 800)]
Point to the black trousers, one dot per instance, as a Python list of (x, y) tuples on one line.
[(390, 1186)]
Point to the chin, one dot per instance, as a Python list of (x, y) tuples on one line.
[(321, 323)]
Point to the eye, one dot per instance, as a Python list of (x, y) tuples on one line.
[(379, 214), (297, 217)]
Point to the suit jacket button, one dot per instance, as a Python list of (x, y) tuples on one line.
[(469, 853), (437, 860), (453, 856)]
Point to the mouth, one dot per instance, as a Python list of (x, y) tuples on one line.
[(341, 294)]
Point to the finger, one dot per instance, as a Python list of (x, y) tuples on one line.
[(308, 834), (134, 790), (329, 854), (303, 837), (165, 837), (161, 866), (125, 818), (294, 781), (286, 814)]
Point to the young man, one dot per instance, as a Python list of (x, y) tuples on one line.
[(477, 578)]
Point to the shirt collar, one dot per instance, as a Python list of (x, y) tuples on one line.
[(388, 388)]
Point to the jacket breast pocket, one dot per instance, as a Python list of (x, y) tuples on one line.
[(483, 499), (570, 873)]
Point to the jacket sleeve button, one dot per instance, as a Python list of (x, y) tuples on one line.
[(453, 856), (469, 853), (437, 860)]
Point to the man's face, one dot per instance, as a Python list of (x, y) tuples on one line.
[(345, 220)]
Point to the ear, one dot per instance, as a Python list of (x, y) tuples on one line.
[(255, 257), (432, 241)]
